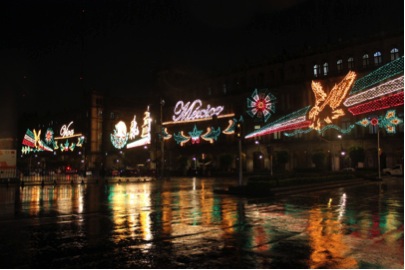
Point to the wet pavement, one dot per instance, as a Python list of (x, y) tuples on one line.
[(182, 223)]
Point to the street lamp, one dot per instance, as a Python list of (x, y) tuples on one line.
[(162, 148)]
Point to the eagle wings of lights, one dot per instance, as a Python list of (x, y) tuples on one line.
[(328, 106)]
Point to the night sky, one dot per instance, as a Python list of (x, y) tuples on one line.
[(53, 50)]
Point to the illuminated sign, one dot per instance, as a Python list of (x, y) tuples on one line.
[(121, 136), (66, 132), (194, 112)]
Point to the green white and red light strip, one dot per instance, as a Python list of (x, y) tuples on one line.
[(375, 92), (387, 71), (379, 104), (292, 121)]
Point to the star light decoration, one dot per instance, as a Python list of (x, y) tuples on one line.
[(389, 121), (261, 104)]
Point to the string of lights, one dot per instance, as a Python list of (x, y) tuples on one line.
[(375, 92), (379, 104), (387, 71)]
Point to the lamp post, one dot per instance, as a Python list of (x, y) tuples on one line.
[(378, 152), (162, 148)]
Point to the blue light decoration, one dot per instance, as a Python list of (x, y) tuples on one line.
[(261, 104), (212, 134), (388, 122)]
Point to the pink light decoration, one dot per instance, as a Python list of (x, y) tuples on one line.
[(379, 104)]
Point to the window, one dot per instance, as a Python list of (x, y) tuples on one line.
[(377, 58), (394, 54), (350, 63), (339, 65), (366, 60), (317, 70), (325, 69)]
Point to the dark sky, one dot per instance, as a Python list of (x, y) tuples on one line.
[(52, 50)]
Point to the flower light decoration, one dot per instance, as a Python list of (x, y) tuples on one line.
[(389, 121), (261, 104), (49, 135)]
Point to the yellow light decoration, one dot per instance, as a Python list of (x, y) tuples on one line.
[(333, 100), (37, 138), (230, 129)]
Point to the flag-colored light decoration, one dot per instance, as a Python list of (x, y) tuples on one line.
[(32, 140), (379, 104), (212, 134), (328, 106), (389, 70), (384, 89), (33, 143), (379, 90), (261, 104), (388, 122), (295, 120)]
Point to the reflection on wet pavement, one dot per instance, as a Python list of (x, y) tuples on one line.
[(182, 223)]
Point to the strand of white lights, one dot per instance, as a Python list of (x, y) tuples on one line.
[(389, 70), (197, 120), (378, 91)]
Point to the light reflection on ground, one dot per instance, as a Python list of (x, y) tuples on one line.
[(182, 223)]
